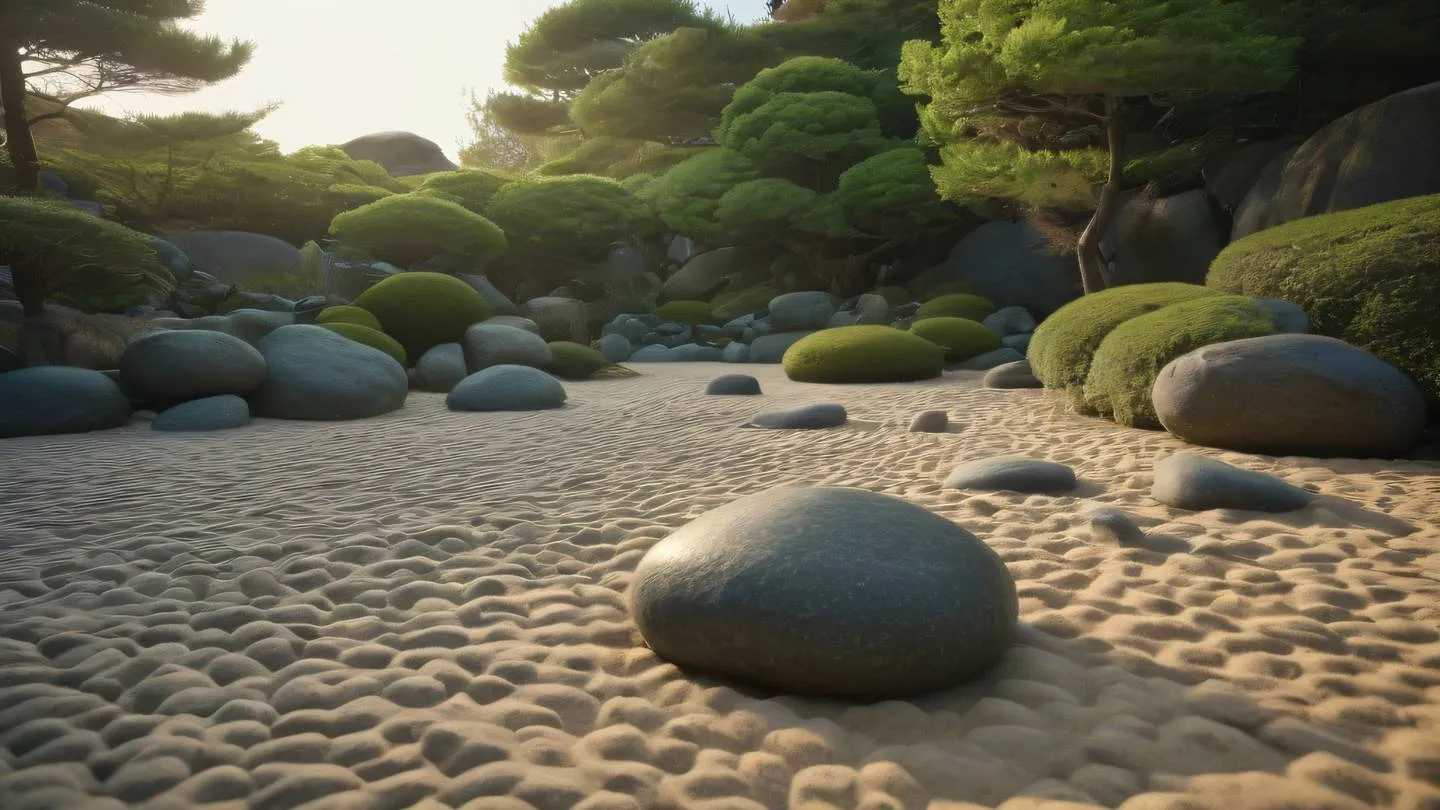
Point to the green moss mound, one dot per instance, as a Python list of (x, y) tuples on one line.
[(728, 306), (406, 229), (863, 354), (574, 361), (1064, 343), (686, 312), (470, 188), (1369, 276), (956, 305), (349, 314), (373, 338), (421, 310), (961, 338), (1129, 359)]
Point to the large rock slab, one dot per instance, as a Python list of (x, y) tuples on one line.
[(1303, 395), (705, 274), (175, 366), (45, 400), (401, 153), (507, 388), (489, 345), (314, 373), (1013, 474), (1197, 483), (235, 256), (826, 591), (224, 412)]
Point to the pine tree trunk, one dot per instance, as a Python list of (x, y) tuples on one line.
[(19, 140), (1087, 250)]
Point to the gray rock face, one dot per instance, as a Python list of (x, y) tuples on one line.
[(500, 304), (1163, 239), (772, 348), (704, 274), (652, 354), (1197, 483), (1303, 395), (315, 374), (223, 412), (808, 417), (267, 302), (756, 589), (1011, 264), (930, 422), (401, 153), (695, 353), (989, 360), (1020, 343), (798, 311), (615, 348), (558, 318), (441, 368), (173, 258), (170, 367), (45, 400), (733, 385), (513, 320), (736, 352), (487, 345), (1016, 374), (867, 309), (1010, 321), (507, 388), (235, 256), (1288, 318), (1014, 474)]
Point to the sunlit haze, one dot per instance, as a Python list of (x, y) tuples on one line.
[(343, 68)]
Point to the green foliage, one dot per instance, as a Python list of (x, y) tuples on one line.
[(577, 215), (772, 206), (889, 194), (1128, 360), (1061, 350), (794, 131), (1369, 276), (616, 157), (686, 312), (687, 196), (349, 314), (867, 33), (422, 310), (957, 305), (373, 338), (961, 338), (472, 189), (972, 170), (408, 229), (863, 354), (573, 361), (728, 305), (52, 247), (499, 148)]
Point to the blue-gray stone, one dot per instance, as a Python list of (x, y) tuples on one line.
[(487, 345), (735, 352), (54, 183), (695, 353), (174, 366), (441, 368), (1194, 482), (733, 385), (615, 347), (808, 417), (772, 348), (1016, 374), (798, 311), (223, 412), (314, 373), (507, 388), (652, 354), (1014, 474), (44, 400), (989, 360), (172, 258)]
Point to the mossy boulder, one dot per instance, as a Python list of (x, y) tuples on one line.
[(729, 305), (470, 188), (863, 354), (1064, 343), (957, 305), (574, 361), (686, 312), (961, 338), (349, 314), (1369, 276), (421, 310), (373, 338), (1124, 367)]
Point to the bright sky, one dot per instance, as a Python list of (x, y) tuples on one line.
[(341, 71)]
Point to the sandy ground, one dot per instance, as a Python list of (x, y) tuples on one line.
[(427, 610)]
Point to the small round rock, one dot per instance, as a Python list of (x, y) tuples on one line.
[(733, 385), (930, 422)]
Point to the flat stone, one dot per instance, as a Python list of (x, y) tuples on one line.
[(314, 373), (1014, 474), (224, 412), (1195, 482), (733, 385), (175, 366), (809, 417)]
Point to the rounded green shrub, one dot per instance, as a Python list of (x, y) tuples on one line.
[(1063, 344), (349, 314), (373, 338), (863, 354), (686, 312), (407, 229), (574, 361), (961, 338), (956, 305), (1369, 276), (422, 310), (1124, 367), (471, 188)]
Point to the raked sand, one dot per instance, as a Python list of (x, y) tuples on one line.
[(428, 610)]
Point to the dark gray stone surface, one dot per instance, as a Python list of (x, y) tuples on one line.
[(223, 412), (733, 385), (808, 417), (45, 400), (175, 366), (1016, 374), (440, 368), (507, 388), (314, 373), (1198, 483), (1013, 473)]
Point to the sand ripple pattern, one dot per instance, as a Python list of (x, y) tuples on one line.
[(427, 610)]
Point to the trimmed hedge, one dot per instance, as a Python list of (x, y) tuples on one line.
[(1125, 366), (1062, 347), (961, 338), (408, 229), (1369, 276), (373, 338), (863, 354), (421, 310), (957, 305), (349, 314), (573, 361)]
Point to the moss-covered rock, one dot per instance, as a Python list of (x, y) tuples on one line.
[(961, 338), (470, 188), (1369, 276), (373, 338), (407, 229), (863, 354), (729, 305), (1064, 343), (421, 310), (349, 314), (574, 361), (1124, 367), (686, 312), (896, 296), (956, 305)]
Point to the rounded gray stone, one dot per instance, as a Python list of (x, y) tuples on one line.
[(487, 345), (1008, 321), (615, 347), (827, 591), (314, 373), (733, 385), (440, 368), (47, 400), (1197, 483), (1014, 474), (223, 412), (989, 360), (1115, 527), (771, 348), (735, 352), (808, 417), (176, 366), (799, 311), (930, 422), (1015, 374), (507, 388)]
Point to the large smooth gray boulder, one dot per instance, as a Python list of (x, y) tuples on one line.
[(507, 388), (314, 373), (223, 412), (800, 311), (1302, 395), (175, 366), (489, 345), (512, 320), (401, 153), (441, 368), (1197, 483), (558, 318), (826, 591), (1013, 474), (45, 400), (772, 348), (703, 275), (1012, 264), (236, 256), (1163, 238)]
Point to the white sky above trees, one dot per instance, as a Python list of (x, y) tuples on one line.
[(343, 68)]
